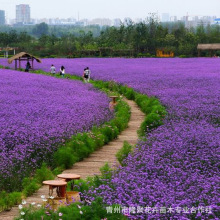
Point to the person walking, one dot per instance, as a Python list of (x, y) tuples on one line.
[(86, 74), (89, 73), (53, 69), (62, 71), (28, 66)]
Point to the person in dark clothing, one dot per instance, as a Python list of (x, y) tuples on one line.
[(28, 66), (62, 71)]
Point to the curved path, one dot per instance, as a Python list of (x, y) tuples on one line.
[(91, 165)]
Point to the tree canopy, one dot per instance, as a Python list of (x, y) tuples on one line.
[(130, 39)]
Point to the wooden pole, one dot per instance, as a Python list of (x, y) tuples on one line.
[(19, 63), (16, 64), (32, 59)]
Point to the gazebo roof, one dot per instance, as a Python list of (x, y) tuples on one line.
[(208, 47), (23, 55)]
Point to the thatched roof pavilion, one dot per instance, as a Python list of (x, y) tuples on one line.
[(209, 47), (23, 56)]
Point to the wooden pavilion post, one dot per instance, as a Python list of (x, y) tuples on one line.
[(32, 62), (19, 63), (16, 66)]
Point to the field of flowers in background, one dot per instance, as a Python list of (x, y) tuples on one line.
[(36, 114), (178, 165)]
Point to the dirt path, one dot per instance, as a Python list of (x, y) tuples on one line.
[(91, 165)]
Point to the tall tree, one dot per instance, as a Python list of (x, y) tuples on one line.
[(41, 29)]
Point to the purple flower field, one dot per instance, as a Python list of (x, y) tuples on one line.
[(36, 114), (178, 166)]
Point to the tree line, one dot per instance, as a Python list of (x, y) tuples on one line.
[(130, 39)]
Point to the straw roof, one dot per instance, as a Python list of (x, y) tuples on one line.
[(208, 47), (23, 55)]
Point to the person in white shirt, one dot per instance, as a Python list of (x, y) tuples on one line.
[(52, 69), (86, 74)]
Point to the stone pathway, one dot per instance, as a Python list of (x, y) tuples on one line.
[(91, 165)]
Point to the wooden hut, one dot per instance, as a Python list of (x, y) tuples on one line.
[(7, 49), (23, 56), (212, 48)]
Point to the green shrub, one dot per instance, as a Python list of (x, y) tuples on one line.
[(121, 123), (30, 186), (151, 121), (43, 174), (57, 171), (106, 172), (79, 148), (82, 185), (95, 181), (147, 55), (52, 56), (112, 86), (130, 94), (147, 104), (140, 98), (7, 200), (64, 157), (158, 109), (115, 130), (83, 151), (108, 133), (97, 137), (122, 89), (143, 55), (122, 116), (123, 152), (88, 141), (16, 197)]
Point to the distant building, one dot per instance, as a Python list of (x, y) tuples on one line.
[(217, 21), (117, 22), (173, 18), (23, 14), (82, 23), (165, 17), (195, 21), (2, 17), (101, 22)]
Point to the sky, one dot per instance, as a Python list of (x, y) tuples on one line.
[(112, 8)]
